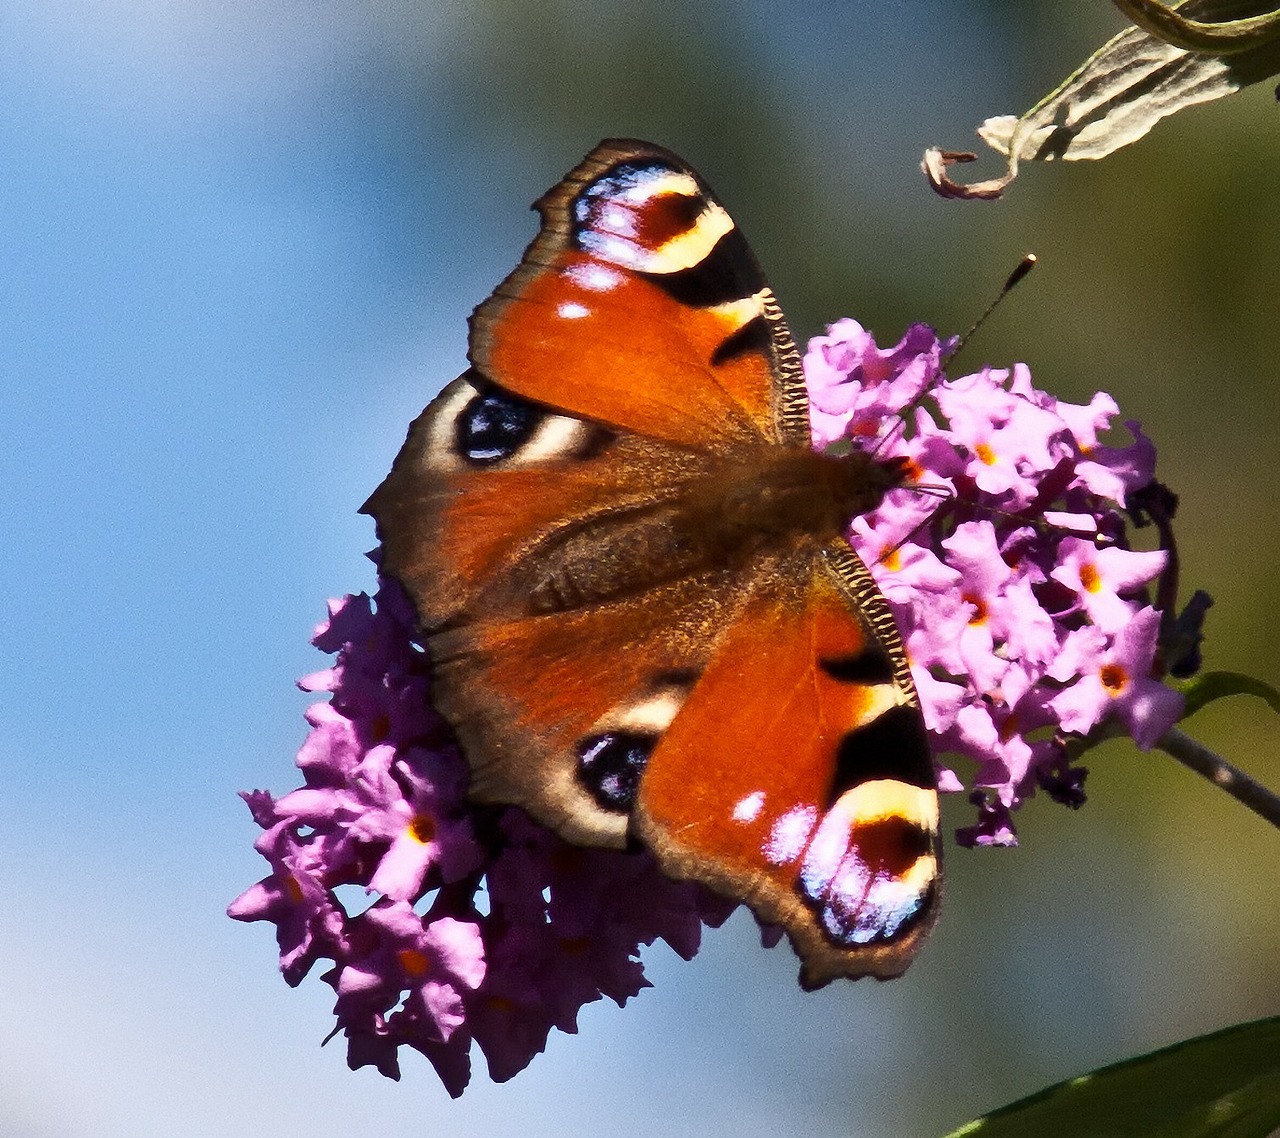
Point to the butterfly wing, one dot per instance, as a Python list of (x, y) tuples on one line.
[(639, 305), (637, 317), (798, 776), (492, 501), (589, 641), (559, 712), (636, 346)]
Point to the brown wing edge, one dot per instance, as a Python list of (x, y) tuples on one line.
[(868, 604)]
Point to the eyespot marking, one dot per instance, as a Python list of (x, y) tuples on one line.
[(610, 766), (870, 872), (880, 911), (593, 276), (612, 758), (725, 277), (493, 426), (476, 423), (649, 217), (790, 834)]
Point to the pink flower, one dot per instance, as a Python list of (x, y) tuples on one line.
[(309, 921), (1027, 625), (397, 956), (1098, 576), (1114, 679), (1019, 601), (490, 940), (854, 387)]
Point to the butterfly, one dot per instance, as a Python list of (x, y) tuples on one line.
[(644, 622)]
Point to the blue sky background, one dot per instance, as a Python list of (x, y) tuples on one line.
[(238, 245)]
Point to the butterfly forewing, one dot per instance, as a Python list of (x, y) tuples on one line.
[(642, 617), (798, 776), (640, 305)]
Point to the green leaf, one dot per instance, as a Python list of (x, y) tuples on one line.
[(1118, 94), (1208, 686), (1225, 1085)]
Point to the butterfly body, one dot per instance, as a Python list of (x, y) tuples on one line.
[(627, 561)]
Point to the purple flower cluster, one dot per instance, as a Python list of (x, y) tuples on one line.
[(1024, 613), (445, 924), (482, 926)]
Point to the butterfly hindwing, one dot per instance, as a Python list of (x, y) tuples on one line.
[(571, 746), (628, 568), (491, 497)]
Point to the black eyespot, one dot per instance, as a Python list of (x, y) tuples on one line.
[(493, 426), (610, 766)]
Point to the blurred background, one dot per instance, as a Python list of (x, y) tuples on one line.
[(238, 245)]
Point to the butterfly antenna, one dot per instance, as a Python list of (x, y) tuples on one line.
[(1019, 273), (896, 430), (927, 490)]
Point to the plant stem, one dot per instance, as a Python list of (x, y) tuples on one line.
[(1222, 38), (1218, 771)]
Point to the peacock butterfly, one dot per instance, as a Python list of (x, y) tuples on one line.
[(628, 564)]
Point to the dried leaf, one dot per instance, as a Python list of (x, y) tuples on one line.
[(1118, 95)]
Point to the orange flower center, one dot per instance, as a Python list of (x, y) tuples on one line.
[(414, 963), (985, 453), (979, 609), (1089, 578), (1114, 678), (422, 828)]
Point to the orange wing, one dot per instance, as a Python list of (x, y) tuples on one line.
[(558, 712), (465, 528), (798, 777), (640, 306)]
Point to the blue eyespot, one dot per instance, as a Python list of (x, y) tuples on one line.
[(610, 766), (493, 426)]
